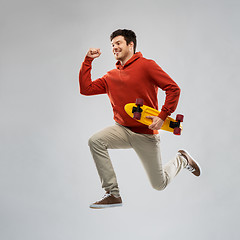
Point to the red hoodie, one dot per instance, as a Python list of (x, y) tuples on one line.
[(138, 78)]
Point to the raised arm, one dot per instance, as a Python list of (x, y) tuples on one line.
[(87, 86)]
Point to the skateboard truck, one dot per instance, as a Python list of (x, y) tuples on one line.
[(176, 125), (137, 110)]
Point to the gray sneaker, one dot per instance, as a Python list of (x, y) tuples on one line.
[(192, 165), (107, 201)]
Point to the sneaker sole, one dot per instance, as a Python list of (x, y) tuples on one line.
[(101, 206)]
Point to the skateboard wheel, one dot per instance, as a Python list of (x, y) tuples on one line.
[(177, 131), (137, 115), (139, 101), (179, 117)]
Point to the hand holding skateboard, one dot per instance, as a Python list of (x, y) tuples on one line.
[(156, 124), (141, 113)]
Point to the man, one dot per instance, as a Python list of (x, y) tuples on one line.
[(134, 77)]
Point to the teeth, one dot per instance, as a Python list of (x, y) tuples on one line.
[(117, 53)]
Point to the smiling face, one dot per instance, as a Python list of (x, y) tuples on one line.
[(122, 52)]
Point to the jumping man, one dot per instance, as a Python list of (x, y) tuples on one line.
[(134, 77)]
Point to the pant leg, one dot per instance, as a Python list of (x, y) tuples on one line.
[(148, 149), (114, 137)]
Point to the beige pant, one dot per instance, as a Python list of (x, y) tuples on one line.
[(147, 148)]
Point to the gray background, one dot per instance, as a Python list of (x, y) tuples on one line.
[(47, 176)]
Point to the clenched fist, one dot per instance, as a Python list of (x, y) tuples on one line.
[(94, 52)]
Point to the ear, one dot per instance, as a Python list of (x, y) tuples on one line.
[(131, 44)]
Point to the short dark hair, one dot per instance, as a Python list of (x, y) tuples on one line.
[(128, 35)]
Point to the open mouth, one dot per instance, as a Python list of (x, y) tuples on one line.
[(117, 53)]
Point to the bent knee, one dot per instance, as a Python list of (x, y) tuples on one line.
[(92, 141), (159, 187), (95, 141)]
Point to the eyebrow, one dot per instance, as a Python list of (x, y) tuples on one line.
[(117, 42)]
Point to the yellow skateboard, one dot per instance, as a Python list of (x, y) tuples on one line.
[(138, 111)]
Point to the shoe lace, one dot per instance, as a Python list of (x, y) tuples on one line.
[(190, 168), (104, 197)]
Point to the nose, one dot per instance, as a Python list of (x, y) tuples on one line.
[(114, 48)]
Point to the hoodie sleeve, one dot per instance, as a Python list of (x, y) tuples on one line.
[(87, 86), (171, 89)]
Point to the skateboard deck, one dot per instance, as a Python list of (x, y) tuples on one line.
[(138, 111)]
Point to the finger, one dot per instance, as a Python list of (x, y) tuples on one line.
[(93, 52), (150, 117), (152, 126)]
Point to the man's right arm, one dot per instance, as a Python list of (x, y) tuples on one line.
[(87, 86)]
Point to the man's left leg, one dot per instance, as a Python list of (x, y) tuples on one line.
[(148, 149)]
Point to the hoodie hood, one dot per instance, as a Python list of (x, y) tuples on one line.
[(135, 56)]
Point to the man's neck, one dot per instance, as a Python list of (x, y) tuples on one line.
[(126, 59)]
